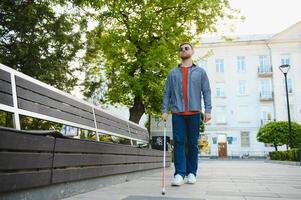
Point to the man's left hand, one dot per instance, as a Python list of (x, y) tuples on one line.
[(207, 117)]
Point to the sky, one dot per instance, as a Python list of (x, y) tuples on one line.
[(264, 16)]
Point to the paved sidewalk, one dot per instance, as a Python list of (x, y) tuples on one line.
[(217, 180)]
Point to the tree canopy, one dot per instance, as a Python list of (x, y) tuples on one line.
[(276, 133), (136, 44), (40, 38)]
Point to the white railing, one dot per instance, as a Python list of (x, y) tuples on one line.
[(266, 95), (17, 111), (264, 69)]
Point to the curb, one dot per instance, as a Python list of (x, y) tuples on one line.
[(283, 162)]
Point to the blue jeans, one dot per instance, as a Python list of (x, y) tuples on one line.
[(186, 130)]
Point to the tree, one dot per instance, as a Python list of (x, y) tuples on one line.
[(39, 40), (136, 44), (276, 133), (30, 123), (6, 119)]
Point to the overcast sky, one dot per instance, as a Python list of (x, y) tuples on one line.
[(265, 16)]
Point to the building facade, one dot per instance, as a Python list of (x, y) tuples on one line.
[(248, 90)]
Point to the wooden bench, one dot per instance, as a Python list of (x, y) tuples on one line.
[(31, 159), (40, 158)]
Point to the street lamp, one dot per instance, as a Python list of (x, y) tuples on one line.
[(284, 69)]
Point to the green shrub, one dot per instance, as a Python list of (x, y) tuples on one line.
[(289, 155), (276, 133)]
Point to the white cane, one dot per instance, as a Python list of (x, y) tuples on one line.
[(164, 156)]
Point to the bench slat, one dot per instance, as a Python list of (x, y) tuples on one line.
[(72, 174), (11, 140), (23, 180), (113, 129), (75, 146), (24, 160), (55, 104), (4, 76), (6, 99), (41, 109), (100, 115), (5, 87), (65, 175), (106, 121), (72, 160), (20, 82)]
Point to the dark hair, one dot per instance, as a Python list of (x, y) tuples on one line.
[(186, 43)]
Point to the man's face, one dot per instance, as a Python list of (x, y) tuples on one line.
[(185, 51)]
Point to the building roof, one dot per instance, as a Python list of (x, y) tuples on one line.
[(237, 38), (291, 33)]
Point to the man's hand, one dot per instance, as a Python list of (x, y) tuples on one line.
[(164, 116), (207, 117)]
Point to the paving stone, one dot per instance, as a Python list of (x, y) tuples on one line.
[(216, 180), (157, 198)]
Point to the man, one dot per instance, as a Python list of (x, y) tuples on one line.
[(185, 86)]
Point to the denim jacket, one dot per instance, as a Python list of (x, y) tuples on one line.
[(198, 86)]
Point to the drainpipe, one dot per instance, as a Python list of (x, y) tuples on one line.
[(271, 63)]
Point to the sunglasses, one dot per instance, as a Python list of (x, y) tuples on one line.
[(184, 48)]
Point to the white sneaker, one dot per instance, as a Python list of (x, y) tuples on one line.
[(178, 180), (191, 179)]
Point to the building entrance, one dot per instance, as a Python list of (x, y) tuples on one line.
[(222, 149), (222, 146)]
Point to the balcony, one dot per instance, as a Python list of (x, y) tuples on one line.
[(266, 96), (264, 121), (265, 71)]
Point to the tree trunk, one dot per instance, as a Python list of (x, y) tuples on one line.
[(276, 149), (137, 110)]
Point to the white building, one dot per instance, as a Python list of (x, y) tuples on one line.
[(248, 89)]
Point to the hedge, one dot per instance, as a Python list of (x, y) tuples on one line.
[(289, 155)]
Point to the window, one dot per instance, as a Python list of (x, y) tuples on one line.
[(242, 87), (241, 64), (220, 91), (266, 115), (245, 139), (230, 140), (289, 85), (214, 140), (265, 88), (285, 59), (265, 85), (203, 64), (220, 115), (243, 113), (219, 64), (264, 64)]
